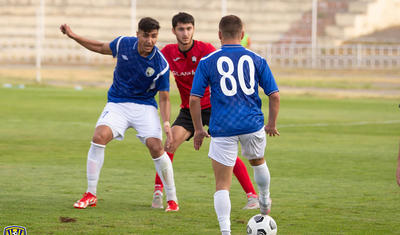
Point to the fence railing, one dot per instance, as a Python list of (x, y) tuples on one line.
[(363, 56), (351, 56)]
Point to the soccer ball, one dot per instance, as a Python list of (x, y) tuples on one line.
[(261, 225)]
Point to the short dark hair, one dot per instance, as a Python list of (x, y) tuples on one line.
[(231, 26), (182, 17), (148, 24)]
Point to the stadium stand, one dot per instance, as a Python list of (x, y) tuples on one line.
[(267, 22), (364, 17)]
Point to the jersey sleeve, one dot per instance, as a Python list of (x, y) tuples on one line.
[(163, 81), (267, 80), (200, 80), (113, 45)]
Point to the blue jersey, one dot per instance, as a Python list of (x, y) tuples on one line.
[(234, 74), (137, 79)]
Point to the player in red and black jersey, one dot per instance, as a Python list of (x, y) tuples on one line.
[(183, 58)]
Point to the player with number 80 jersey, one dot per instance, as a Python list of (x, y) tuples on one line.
[(234, 79)]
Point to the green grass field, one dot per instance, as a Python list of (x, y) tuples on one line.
[(332, 169)]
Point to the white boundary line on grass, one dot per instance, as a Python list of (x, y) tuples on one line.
[(340, 124), (279, 126)]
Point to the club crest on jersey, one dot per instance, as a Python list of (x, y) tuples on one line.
[(14, 230), (124, 57), (149, 72), (194, 59)]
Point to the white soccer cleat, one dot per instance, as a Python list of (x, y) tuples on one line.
[(265, 208), (252, 203), (157, 200)]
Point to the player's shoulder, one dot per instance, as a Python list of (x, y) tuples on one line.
[(169, 48), (211, 56), (127, 39), (203, 44), (204, 47), (160, 56)]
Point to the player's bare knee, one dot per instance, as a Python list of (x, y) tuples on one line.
[(257, 162), (155, 147), (102, 135), (97, 139), (156, 152), (101, 138)]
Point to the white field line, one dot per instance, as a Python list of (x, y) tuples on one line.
[(63, 123), (362, 123)]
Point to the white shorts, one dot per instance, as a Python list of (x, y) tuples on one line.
[(225, 149), (121, 116)]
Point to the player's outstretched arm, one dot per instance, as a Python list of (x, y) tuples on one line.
[(195, 112), (165, 111), (398, 169), (93, 45), (274, 103)]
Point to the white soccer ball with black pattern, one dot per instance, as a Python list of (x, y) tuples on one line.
[(261, 225)]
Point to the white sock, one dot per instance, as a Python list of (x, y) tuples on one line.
[(222, 206), (164, 169), (94, 164), (262, 178)]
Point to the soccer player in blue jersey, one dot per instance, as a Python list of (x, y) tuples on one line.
[(141, 71), (234, 75)]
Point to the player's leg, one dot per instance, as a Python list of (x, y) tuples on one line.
[(240, 171), (179, 135), (165, 171), (147, 124), (253, 148), (222, 202), (103, 134), (182, 130), (223, 152), (262, 178)]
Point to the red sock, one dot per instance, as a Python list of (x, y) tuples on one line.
[(242, 175), (158, 185)]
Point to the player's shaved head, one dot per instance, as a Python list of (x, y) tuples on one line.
[(148, 24), (231, 27), (182, 17)]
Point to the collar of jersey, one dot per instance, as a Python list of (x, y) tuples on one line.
[(150, 56), (231, 46), (184, 53)]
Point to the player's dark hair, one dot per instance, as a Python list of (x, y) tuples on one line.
[(231, 26), (148, 24), (182, 17)]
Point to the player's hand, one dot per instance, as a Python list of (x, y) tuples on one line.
[(198, 138), (271, 130), (168, 133), (398, 171), (398, 175), (65, 29)]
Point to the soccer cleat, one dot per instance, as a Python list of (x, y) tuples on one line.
[(265, 209), (172, 206), (157, 200), (252, 203), (88, 199)]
